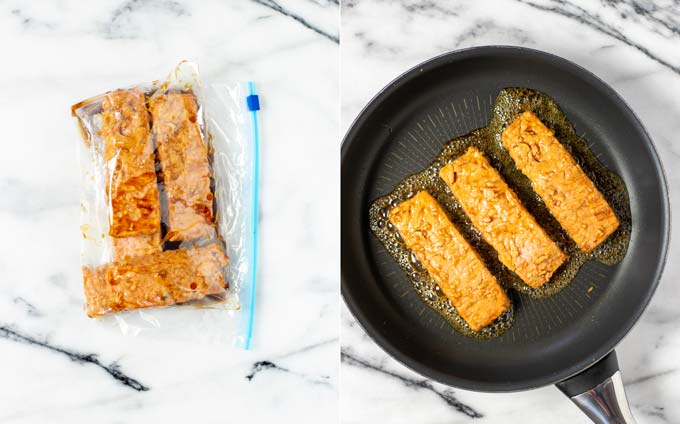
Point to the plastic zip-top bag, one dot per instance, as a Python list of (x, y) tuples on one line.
[(169, 207)]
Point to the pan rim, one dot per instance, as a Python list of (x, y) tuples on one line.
[(509, 386)]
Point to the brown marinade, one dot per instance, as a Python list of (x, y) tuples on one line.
[(510, 104)]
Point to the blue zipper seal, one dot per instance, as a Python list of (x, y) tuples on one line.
[(253, 103)]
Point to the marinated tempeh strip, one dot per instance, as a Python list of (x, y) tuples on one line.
[(126, 247), (494, 209), (566, 190), (183, 156), (131, 181), (159, 279), (450, 260)]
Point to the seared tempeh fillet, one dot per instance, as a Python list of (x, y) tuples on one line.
[(158, 279), (494, 209), (184, 163), (131, 180), (569, 194), (450, 260)]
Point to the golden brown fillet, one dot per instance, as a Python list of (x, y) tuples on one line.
[(452, 263), (131, 184), (569, 194), (494, 209), (184, 163), (158, 279)]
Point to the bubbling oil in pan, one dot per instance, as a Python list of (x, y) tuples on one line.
[(510, 103)]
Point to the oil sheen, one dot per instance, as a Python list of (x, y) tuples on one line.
[(510, 103)]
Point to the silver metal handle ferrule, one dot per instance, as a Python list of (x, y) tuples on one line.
[(606, 403)]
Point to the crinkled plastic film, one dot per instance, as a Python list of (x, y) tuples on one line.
[(169, 192)]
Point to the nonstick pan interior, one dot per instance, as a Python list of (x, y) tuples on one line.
[(402, 130)]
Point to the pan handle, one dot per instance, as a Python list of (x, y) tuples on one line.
[(598, 391)]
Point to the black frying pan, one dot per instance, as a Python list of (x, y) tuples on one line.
[(552, 340)]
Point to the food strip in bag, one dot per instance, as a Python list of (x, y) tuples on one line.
[(134, 207), (185, 169), (158, 279)]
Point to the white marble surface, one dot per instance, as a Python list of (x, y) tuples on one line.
[(56, 366), (634, 47)]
